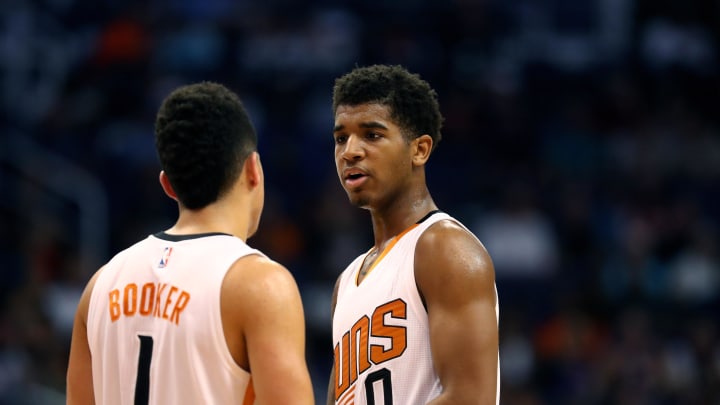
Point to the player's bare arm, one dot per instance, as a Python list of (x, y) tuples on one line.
[(264, 326), (79, 373), (331, 384), (457, 281)]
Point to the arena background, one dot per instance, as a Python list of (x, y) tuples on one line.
[(581, 145)]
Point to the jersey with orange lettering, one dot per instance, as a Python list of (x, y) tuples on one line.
[(154, 325), (380, 329)]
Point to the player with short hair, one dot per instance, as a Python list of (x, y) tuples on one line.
[(415, 318), (193, 315)]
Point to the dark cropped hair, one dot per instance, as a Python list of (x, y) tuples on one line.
[(412, 102), (203, 136)]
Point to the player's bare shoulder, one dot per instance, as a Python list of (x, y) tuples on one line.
[(256, 277), (257, 292), (447, 253)]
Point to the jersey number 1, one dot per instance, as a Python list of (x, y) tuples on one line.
[(142, 383)]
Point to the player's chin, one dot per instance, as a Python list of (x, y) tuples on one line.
[(358, 200)]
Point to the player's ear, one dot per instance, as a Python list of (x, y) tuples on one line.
[(421, 148), (253, 170), (166, 186)]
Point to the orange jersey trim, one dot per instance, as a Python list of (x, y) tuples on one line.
[(249, 394), (348, 397), (384, 252)]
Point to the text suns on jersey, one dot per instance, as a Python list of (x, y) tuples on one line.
[(355, 354)]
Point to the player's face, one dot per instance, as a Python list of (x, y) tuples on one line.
[(372, 157)]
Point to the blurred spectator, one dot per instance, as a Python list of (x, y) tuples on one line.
[(519, 236)]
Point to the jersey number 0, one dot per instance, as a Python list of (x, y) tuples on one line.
[(383, 376)]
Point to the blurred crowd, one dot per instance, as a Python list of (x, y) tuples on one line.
[(581, 144)]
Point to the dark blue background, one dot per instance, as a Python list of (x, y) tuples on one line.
[(581, 145)]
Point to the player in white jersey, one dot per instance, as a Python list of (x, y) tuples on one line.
[(415, 319), (193, 315)]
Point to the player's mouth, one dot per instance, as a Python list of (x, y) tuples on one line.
[(354, 178)]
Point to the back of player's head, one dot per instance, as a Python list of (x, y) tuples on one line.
[(203, 136), (412, 102)]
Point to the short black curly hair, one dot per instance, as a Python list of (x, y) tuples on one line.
[(412, 102), (203, 135)]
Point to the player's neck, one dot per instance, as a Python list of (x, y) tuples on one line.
[(213, 218), (397, 217)]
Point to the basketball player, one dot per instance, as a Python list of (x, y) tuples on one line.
[(193, 315), (415, 318)]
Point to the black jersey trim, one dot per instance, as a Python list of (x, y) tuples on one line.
[(428, 215), (179, 238)]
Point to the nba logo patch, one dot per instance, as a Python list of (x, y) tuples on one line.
[(165, 257)]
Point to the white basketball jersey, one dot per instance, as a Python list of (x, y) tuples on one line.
[(154, 324), (380, 329)]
